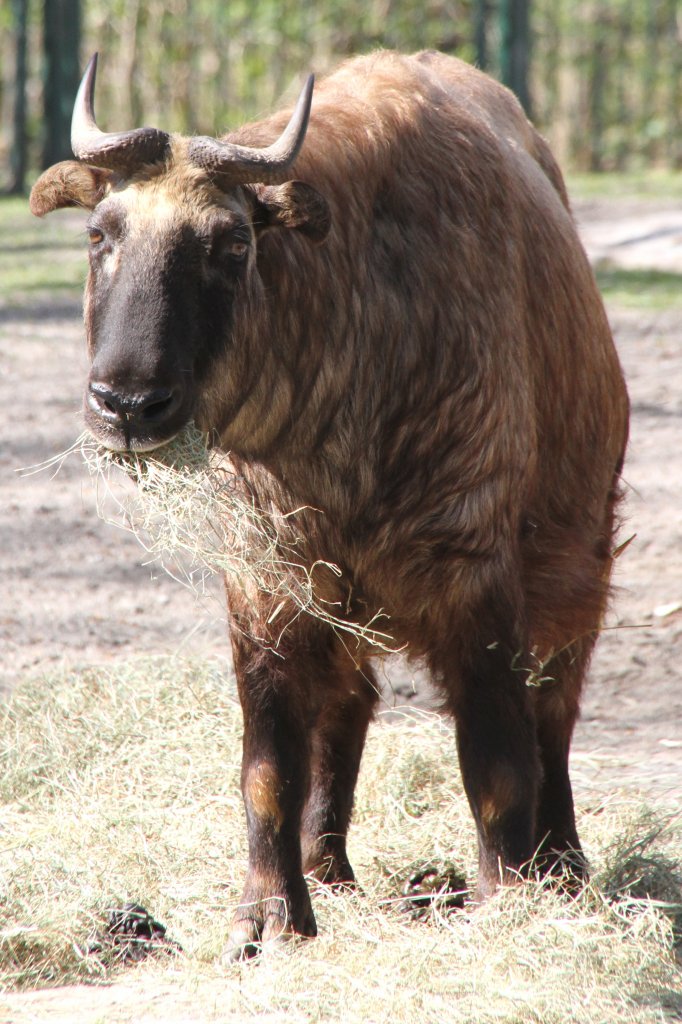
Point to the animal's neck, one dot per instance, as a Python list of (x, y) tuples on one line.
[(289, 366)]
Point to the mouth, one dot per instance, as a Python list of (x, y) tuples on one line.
[(125, 440), (126, 445), (120, 439)]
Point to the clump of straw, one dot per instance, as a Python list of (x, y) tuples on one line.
[(190, 508)]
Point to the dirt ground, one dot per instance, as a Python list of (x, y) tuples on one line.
[(76, 590)]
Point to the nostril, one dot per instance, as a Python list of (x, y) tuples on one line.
[(105, 402), (158, 405)]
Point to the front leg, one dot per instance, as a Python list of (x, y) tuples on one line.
[(337, 744), (275, 780)]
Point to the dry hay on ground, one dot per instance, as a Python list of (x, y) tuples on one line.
[(122, 785)]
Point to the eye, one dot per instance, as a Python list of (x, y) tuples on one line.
[(231, 245), (95, 235), (237, 249)]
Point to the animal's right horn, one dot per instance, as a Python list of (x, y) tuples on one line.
[(117, 151)]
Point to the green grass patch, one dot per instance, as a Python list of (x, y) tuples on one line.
[(638, 288), (123, 784), (632, 185), (40, 259)]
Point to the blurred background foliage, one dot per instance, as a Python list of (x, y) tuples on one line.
[(601, 78)]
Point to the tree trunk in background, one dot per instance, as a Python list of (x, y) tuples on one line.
[(515, 52), (19, 140), (598, 74), (61, 46), (674, 126), (481, 33), (129, 40), (622, 30)]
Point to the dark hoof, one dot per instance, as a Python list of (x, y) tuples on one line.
[(269, 923), (333, 872), (565, 869)]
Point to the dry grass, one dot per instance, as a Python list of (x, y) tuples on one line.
[(123, 785), (194, 517)]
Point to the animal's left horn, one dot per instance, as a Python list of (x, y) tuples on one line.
[(117, 151), (242, 164)]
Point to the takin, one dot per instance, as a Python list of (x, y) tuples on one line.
[(378, 304)]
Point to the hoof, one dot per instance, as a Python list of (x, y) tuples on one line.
[(565, 869), (258, 926), (333, 872)]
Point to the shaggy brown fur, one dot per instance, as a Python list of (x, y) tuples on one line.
[(437, 383)]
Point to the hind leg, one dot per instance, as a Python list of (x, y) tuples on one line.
[(557, 700), (567, 580), (337, 743), (496, 737), (498, 760)]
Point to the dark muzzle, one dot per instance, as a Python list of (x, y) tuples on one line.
[(138, 420)]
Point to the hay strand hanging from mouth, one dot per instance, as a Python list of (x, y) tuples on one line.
[(191, 508)]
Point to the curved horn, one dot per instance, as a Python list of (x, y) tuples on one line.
[(242, 163), (117, 151)]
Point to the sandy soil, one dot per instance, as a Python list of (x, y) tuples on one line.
[(75, 591)]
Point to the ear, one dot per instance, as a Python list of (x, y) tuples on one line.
[(292, 205), (69, 184)]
